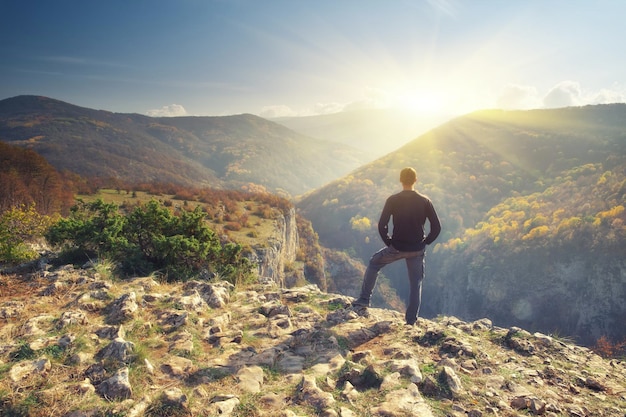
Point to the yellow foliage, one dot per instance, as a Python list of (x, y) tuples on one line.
[(569, 223), (454, 243), (614, 212), (537, 232), (362, 224), (556, 216)]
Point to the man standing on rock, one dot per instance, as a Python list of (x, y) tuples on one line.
[(409, 211)]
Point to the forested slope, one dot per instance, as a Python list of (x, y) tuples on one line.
[(509, 186), (219, 152)]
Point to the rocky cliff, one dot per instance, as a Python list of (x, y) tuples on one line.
[(78, 343), (278, 250), (582, 297)]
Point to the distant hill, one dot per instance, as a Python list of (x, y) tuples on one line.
[(221, 152), (532, 204), (373, 131)]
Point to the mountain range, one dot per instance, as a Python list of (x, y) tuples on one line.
[(218, 152), (373, 131)]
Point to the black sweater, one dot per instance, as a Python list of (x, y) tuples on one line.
[(409, 210)]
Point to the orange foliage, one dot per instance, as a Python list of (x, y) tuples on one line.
[(607, 349), (27, 178)]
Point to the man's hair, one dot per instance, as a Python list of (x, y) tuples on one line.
[(408, 176)]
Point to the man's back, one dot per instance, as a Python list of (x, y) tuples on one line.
[(409, 211)]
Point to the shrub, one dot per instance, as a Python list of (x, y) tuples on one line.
[(608, 349), (18, 226), (149, 238)]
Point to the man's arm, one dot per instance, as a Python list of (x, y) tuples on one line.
[(435, 224), (383, 224)]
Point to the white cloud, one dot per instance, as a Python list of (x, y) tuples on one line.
[(515, 96), (606, 96), (275, 111), (173, 110), (564, 94), (328, 108), (373, 98)]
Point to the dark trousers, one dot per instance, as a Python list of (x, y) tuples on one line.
[(415, 268)]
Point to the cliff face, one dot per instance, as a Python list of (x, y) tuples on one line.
[(578, 297), (279, 250)]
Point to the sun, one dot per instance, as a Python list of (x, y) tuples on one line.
[(421, 101)]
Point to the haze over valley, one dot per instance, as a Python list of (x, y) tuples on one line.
[(532, 202)]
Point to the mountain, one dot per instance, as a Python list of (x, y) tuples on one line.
[(532, 205), (77, 342), (373, 131), (221, 152)]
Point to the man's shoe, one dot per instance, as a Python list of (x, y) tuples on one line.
[(360, 303)]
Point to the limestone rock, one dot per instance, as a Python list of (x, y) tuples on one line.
[(310, 394), (25, 369), (401, 402), (119, 351), (123, 309), (250, 379), (117, 387)]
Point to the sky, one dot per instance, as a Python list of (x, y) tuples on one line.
[(276, 58)]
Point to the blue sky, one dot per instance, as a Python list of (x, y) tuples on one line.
[(297, 57)]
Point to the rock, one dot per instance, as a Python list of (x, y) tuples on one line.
[(223, 405), (595, 384), (174, 399), (308, 393), (215, 295), (250, 379), (452, 381), (403, 402), (274, 308), (192, 301), (117, 387), (173, 319), (182, 344), (390, 381), (11, 309), (53, 288), (119, 351), (25, 369), (408, 368), (290, 363), (122, 309), (32, 325), (139, 408), (178, 367), (111, 332)]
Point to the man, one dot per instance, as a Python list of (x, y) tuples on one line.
[(409, 210)]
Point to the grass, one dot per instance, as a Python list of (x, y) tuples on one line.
[(105, 269), (247, 406)]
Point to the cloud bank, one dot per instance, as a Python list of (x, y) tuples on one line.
[(173, 110), (564, 94)]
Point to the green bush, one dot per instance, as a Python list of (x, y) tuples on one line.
[(149, 238), (18, 226)]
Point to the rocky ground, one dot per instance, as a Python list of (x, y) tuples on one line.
[(79, 343)]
